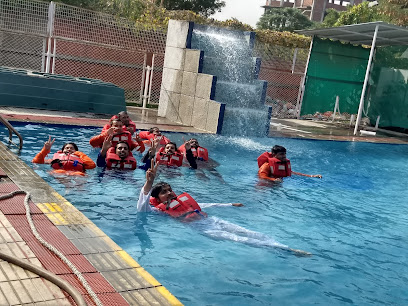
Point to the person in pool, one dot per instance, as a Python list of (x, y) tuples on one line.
[(274, 166), (123, 116), (116, 157), (151, 134), (118, 133), (68, 160), (161, 197)]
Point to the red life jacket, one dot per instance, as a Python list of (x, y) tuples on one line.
[(183, 206), (200, 153), (280, 168), (150, 136), (173, 160), (263, 158), (68, 162), (113, 161), (122, 136)]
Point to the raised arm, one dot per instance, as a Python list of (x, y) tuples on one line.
[(308, 175), (143, 204), (189, 154), (40, 157)]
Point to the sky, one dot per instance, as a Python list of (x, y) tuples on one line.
[(246, 11)]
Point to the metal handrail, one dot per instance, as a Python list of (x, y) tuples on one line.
[(11, 129)]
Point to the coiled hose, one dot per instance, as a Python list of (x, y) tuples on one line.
[(44, 273)]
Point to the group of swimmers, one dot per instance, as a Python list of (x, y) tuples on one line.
[(116, 143)]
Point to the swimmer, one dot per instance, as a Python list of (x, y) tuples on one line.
[(184, 208), (151, 134), (69, 160), (116, 157), (128, 124), (118, 134), (274, 166)]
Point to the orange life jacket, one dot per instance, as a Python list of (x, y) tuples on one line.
[(113, 161), (150, 136), (122, 136), (200, 153), (184, 206), (280, 168), (263, 158), (173, 160), (67, 162)]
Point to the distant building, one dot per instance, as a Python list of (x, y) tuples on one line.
[(314, 9)]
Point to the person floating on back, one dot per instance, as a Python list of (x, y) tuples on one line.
[(274, 166), (68, 161), (123, 116)]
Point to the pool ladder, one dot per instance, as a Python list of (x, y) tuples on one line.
[(12, 130)]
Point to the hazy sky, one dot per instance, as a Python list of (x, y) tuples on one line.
[(247, 11)]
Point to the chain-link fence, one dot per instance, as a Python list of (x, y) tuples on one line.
[(283, 68), (61, 39)]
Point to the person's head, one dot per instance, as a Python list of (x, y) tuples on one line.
[(170, 148), (162, 192), (69, 148), (117, 125), (279, 152), (155, 131), (122, 149), (124, 117), (194, 143)]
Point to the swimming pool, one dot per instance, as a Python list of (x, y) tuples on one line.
[(354, 221)]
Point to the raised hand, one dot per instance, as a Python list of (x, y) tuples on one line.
[(107, 144), (187, 144), (111, 131), (150, 176), (48, 144)]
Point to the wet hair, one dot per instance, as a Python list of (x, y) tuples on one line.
[(122, 112), (122, 142), (278, 149), (115, 120), (70, 143), (173, 143), (158, 188), (153, 128)]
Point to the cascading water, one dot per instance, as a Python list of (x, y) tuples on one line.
[(228, 56)]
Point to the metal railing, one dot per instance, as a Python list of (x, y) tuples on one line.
[(12, 130)]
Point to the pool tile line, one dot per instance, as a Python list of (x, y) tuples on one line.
[(128, 280)]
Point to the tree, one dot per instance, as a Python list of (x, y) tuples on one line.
[(330, 19), (283, 19), (361, 13), (203, 7)]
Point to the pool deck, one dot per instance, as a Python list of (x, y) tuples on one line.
[(115, 277)]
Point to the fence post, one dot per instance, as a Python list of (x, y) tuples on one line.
[(143, 78), (50, 30), (151, 80), (146, 87)]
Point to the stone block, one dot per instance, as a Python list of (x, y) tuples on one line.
[(163, 102), (188, 86), (192, 60), (204, 87), (200, 112), (172, 80), (178, 32), (173, 107), (215, 116), (174, 58), (186, 109)]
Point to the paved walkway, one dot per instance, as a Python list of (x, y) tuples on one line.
[(112, 274)]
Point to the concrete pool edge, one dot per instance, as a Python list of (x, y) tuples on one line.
[(126, 276)]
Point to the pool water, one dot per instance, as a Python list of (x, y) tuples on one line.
[(354, 221)]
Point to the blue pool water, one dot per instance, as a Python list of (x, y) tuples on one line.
[(354, 221)]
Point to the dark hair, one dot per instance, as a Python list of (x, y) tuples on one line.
[(71, 143), (153, 128), (158, 188), (122, 142), (122, 112), (278, 149), (115, 120), (173, 143)]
